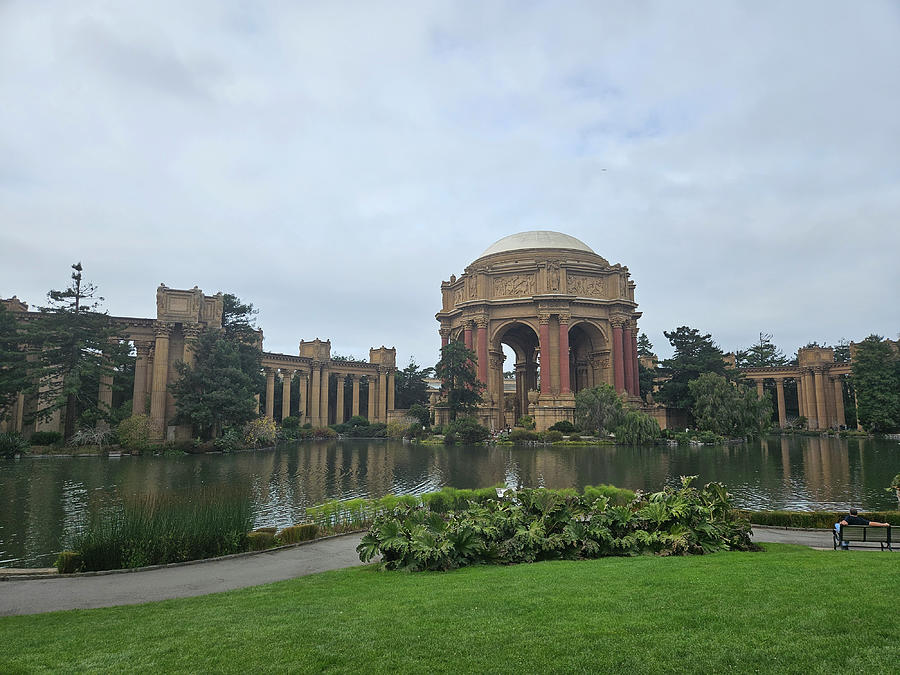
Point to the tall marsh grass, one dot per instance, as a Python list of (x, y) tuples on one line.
[(165, 528)]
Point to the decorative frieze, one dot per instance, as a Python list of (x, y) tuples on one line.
[(586, 287), (514, 285)]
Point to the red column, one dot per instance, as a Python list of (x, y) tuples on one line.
[(545, 354), (618, 359), (467, 336), (634, 361), (482, 353), (564, 384), (444, 340), (628, 357)]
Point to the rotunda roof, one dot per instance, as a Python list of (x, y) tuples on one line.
[(536, 239)]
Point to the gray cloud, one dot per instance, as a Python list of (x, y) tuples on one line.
[(333, 163)]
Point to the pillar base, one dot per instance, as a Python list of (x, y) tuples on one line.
[(552, 408)]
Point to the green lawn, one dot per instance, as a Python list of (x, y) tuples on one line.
[(789, 609)]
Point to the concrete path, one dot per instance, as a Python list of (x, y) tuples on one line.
[(33, 596)]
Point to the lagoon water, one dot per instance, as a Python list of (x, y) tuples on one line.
[(41, 499)]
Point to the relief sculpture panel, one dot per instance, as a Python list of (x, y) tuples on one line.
[(587, 287), (514, 285)]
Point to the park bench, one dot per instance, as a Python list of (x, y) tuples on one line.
[(872, 534)]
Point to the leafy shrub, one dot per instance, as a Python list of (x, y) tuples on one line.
[(260, 432), (437, 429), (290, 423), (526, 422), (538, 524), (134, 433), (91, 436), (710, 438), (397, 429), (551, 436), (449, 438), (564, 426), (324, 433), (637, 428), (231, 441), (297, 533), (69, 562), (523, 435), (270, 530), (616, 496), (45, 438), (260, 541), (421, 414), (813, 519), (12, 443), (468, 430), (574, 438)]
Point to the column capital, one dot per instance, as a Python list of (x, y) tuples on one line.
[(143, 347), (162, 329), (564, 317), (444, 333), (481, 321), (618, 320), (287, 372), (544, 318), (778, 380), (191, 330)]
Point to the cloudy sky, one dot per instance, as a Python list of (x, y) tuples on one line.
[(332, 162)]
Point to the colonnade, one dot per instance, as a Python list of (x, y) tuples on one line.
[(820, 396), (314, 393)]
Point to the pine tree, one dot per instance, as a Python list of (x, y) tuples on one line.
[(459, 381)]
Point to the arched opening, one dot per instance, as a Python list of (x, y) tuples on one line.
[(588, 355), (514, 348)]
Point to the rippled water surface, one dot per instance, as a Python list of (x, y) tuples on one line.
[(43, 498)]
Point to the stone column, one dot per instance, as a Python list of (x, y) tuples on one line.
[(256, 398), (521, 389), (565, 386), (799, 382), (618, 355), (315, 395), (759, 389), (191, 333), (392, 385), (323, 410), (544, 321), (779, 392), (139, 391), (354, 405), (809, 400), (339, 411), (839, 418), (627, 357), (372, 411), (382, 395), (270, 393), (105, 396), (820, 399), (482, 349), (634, 361), (286, 376), (445, 337), (20, 412), (158, 391), (467, 335)]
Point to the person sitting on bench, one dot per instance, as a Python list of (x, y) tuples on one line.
[(855, 519)]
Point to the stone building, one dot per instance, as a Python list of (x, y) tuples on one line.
[(568, 315), (162, 342)]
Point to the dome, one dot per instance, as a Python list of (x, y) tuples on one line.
[(536, 239)]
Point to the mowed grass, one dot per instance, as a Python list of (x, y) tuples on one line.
[(789, 609)]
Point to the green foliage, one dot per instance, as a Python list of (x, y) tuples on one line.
[(537, 524), (134, 433), (616, 496), (637, 428), (565, 426), (460, 384), (729, 409), (449, 437), (259, 433), (645, 347), (69, 562), (813, 519), (468, 430), (324, 433), (526, 422), (397, 429), (260, 540), (763, 354), (599, 409), (290, 423), (45, 438), (421, 414), (359, 427), (519, 435), (574, 438), (695, 354), (15, 372), (164, 528), (551, 436), (410, 387), (298, 533), (230, 441), (876, 377), (91, 436), (646, 379), (12, 443)]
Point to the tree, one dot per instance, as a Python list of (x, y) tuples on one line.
[(761, 355), (646, 378), (876, 377), (599, 408), (219, 389), (637, 428), (728, 408), (459, 381), (410, 386), (14, 367), (645, 347), (74, 344), (695, 354)]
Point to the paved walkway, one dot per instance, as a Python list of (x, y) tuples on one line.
[(33, 596)]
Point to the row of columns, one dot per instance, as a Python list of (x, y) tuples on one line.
[(821, 402), (626, 374), (314, 394)]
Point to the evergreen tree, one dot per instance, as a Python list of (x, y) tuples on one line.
[(763, 354), (14, 368), (876, 377), (728, 408), (645, 347), (410, 386), (74, 344), (695, 354), (459, 380)]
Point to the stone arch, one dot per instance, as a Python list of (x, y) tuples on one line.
[(589, 348), (522, 337)]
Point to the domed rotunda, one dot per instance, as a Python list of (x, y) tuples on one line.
[(567, 314)]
